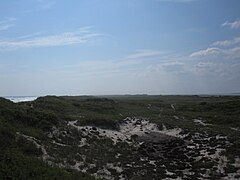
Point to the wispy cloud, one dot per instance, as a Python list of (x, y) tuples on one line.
[(40, 5), (233, 41), (226, 53), (206, 52), (232, 25), (145, 53), (7, 23), (81, 36), (131, 63), (46, 4)]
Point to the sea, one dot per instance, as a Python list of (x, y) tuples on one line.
[(17, 99)]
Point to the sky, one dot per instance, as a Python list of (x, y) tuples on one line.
[(105, 47)]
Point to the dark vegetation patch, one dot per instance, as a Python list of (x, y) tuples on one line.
[(15, 165)]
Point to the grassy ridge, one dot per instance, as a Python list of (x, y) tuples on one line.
[(218, 110)]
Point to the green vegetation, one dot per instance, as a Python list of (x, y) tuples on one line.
[(20, 158), (15, 165), (88, 109)]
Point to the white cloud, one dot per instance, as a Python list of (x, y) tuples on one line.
[(145, 53), (7, 23), (236, 40), (232, 25), (81, 36), (226, 54), (206, 52)]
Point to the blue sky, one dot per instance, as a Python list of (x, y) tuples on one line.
[(119, 47)]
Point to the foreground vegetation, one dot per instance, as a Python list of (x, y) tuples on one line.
[(19, 158), (22, 158)]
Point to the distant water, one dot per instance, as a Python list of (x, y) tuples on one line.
[(17, 99)]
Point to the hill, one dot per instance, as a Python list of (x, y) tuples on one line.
[(120, 137)]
